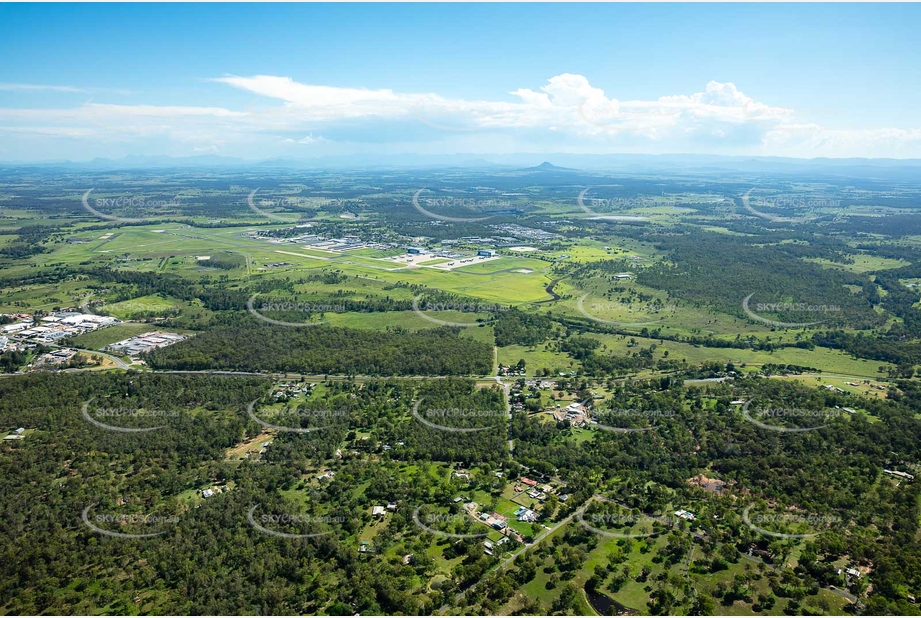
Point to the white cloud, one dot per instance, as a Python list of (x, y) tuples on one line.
[(567, 113), (38, 88), (307, 139), (815, 141), (567, 102)]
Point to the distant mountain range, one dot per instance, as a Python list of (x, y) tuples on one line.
[(562, 163)]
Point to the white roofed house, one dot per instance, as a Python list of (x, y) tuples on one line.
[(900, 474)]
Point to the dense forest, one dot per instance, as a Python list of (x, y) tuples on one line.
[(206, 557), (323, 349)]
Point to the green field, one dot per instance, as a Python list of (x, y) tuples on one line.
[(154, 304), (100, 338)]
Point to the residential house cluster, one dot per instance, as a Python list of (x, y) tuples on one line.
[(288, 390), (510, 370)]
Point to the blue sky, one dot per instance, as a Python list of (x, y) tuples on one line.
[(304, 81)]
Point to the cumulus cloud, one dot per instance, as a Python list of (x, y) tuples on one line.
[(307, 139), (565, 102), (567, 111)]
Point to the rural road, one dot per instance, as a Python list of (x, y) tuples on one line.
[(118, 362), (507, 561), (508, 410)]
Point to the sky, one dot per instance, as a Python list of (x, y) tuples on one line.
[(307, 81)]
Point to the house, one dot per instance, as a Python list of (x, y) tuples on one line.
[(391, 506), (900, 474), (207, 493), (407, 558), (487, 544), (19, 431), (564, 497), (525, 514), (685, 515), (378, 511), (528, 482), (499, 524), (364, 547)]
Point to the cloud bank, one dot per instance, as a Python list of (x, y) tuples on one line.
[(567, 114)]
